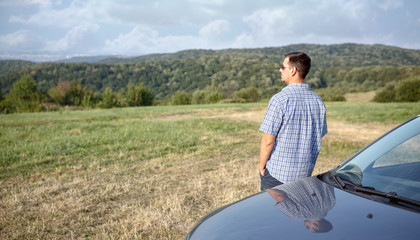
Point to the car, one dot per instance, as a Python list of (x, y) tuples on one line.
[(374, 194)]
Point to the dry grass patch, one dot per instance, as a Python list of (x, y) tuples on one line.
[(252, 115), (360, 96), (354, 133), (344, 139), (158, 198), (149, 201)]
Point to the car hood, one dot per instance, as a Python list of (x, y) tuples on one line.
[(307, 209)]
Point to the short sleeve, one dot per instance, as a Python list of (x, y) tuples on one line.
[(273, 118)]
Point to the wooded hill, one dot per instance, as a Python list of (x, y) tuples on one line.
[(342, 67), (7, 66)]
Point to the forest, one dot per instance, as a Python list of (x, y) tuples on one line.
[(208, 76)]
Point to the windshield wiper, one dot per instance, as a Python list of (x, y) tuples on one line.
[(392, 196), (338, 180)]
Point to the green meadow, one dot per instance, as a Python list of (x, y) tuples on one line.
[(149, 172)]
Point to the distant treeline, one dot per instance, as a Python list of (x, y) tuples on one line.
[(7, 66), (238, 75), (25, 97)]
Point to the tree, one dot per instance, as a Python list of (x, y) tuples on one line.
[(181, 98), (139, 95), (109, 99), (198, 97), (58, 93), (23, 96), (71, 93), (76, 93), (212, 93)]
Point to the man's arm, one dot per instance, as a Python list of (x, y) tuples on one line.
[(276, 194), (267, 143)]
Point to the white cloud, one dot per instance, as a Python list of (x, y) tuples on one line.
[(390, 4), (243, 40), (352, 10), (144, 40), (135, 41), (134, 27), (215, 29), (265, 23), (162, 14), (324, 22), (78, 37), (266, 27), (22, 41), (207, 2), (51, 15), (25, 3), (37, 2)]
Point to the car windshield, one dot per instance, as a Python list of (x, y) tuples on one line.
[(390, 165)]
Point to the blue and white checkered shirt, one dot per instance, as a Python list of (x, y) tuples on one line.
[(297, 117), (306, 199)]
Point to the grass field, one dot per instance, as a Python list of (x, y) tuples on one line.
[(150, 172)]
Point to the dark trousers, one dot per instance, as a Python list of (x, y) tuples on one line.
[(268, 181)]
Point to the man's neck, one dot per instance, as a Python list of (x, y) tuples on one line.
[(297, 80)]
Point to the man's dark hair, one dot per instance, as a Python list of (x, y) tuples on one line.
[(301, 61), (324, 226)]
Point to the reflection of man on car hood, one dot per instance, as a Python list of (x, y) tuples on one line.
[(307, 199)]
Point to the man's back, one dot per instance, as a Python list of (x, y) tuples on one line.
[(293, 126), (296, 116)]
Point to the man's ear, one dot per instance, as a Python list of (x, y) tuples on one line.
[(293, 70)]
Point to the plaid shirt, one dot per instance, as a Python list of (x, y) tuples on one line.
[(306, 199), (297, 117)]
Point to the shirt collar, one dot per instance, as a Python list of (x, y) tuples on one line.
[(299, 85)]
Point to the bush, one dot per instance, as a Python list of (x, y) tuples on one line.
[(405, 91), (198, 97), (210, 94), (7, 107), (109, 99), (408, 90), (248, 95), (334, 98), (23, 97), (71, 94), (181, 98), (385, 95), (214, 97), (331, 95), (139, 95)]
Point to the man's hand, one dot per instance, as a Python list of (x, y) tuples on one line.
[(262, 170)]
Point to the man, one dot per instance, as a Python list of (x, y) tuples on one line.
[(308, 200), (293, 126)]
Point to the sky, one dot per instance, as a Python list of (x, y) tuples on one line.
[(41, 30)]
